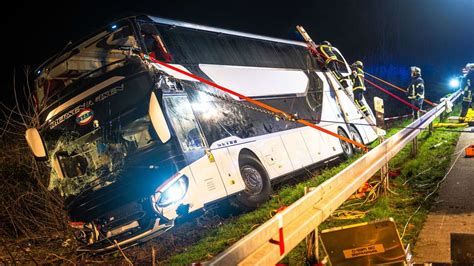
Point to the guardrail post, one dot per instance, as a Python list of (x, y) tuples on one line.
[(384, 178), (414, 147), (430, 128), (312, 242)]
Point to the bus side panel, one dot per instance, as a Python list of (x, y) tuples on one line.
[(296, 149), (208, 179), (229, 169), (364, 130), (354, 116), (349, 106), (371, 134), (331, 116), (317, 144), (333, 119), (330, 112), (367, 132), (271, 153), (334, 144), (275, 157)]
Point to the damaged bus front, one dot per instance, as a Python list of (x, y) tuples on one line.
[(105, 136)]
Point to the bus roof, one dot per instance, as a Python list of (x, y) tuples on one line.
[(177, 23), (183, 24)]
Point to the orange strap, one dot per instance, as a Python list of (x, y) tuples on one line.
[(394, 86), (276, 111)]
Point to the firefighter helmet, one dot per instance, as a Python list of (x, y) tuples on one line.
[(358, 64), (415, 71), (326, 43)]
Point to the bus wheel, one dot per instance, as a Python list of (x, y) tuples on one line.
[(355, 136), (257, 184), (346, 146)]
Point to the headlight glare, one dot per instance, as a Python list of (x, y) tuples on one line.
[(174, 193)]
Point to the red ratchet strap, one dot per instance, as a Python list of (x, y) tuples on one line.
[(393, 95), (394, 86), (261, 104)]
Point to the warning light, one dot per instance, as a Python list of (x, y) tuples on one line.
[(454, 83), (114, 27)]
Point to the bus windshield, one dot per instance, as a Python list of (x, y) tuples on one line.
[(101, 53), (81, 160)]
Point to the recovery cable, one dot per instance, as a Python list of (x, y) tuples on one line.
[(395, 86), (393, 95)]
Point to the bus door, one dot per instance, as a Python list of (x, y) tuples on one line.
[(189, 135)]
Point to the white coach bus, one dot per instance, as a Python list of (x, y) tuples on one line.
[(134, 146)]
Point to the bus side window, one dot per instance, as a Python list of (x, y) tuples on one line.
[(314, 96), (184, 123)]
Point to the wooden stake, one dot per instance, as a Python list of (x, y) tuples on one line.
[(123, 254), (153, 256), (414, 147)]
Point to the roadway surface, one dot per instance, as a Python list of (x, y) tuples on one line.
[(453, 212)]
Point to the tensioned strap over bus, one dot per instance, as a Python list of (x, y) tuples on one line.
[(393, 95), (394, 86), (276, 111)]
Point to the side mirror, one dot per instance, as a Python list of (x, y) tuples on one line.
[(158, 119), (36, 144)]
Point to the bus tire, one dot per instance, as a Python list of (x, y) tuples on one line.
[(355, 136), (257, 183), (347, 150)]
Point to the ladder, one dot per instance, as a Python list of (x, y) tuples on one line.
[(312, 47)]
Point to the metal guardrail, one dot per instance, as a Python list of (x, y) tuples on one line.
[(306, 214)]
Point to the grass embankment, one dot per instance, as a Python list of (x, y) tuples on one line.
[(417, 177)]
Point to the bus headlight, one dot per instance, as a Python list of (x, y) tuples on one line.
[(174, 193)]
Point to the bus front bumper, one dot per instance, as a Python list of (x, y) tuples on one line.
[(125, 239)]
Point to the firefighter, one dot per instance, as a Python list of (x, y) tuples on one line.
[(467, 95), (416, 90), (329, 58), (358, 88)]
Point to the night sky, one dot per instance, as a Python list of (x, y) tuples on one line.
[(437, 35)]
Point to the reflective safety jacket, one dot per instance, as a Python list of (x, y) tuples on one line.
[(467, 93), (326, 52), (357, 78), (416, 90), (467, 96)]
